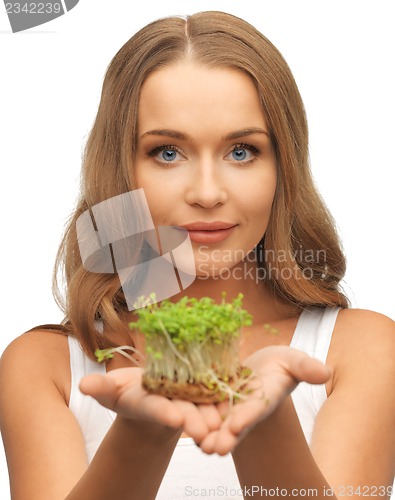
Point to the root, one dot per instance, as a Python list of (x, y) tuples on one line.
[(212, 390)]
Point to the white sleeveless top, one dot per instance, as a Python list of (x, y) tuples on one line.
[(192, 473)]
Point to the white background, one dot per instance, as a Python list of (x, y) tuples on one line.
[(341, 53)]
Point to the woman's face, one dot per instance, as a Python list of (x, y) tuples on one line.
[(205, 160)]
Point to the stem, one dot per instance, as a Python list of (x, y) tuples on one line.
[(172, 346), (123, 348), (108, 353)]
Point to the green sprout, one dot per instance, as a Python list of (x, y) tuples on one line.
[(192, 347), (107, 354)]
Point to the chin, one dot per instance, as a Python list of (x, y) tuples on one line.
[(207, 270)]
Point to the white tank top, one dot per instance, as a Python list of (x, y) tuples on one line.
[(192, 473)]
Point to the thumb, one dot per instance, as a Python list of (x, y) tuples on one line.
[(100, 387), (307, 369)]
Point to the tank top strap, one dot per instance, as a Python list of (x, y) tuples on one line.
[(94, 419), (80, 366), (313, 336), (314, 330)]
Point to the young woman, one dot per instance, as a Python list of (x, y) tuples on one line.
[(203, 115)]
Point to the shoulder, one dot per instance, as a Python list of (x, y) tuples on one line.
[(37, 355), (362, 327), (35, 345), (363, 318), (363, 345)]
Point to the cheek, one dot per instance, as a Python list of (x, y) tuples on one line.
[(259, 197), (151, 187), (162, 199), (143, 180)]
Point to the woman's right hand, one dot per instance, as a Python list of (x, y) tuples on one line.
[(121, 390)]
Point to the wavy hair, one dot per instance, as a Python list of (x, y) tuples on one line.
[(300, 221)]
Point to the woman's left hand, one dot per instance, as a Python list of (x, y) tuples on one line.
[(277, 371)]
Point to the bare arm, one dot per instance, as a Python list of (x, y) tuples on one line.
[(354, 437), (353, 444), (43, 442), (130, 462), (275, 455)]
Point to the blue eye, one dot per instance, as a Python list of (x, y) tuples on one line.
[(166, 154), (239, 154), (169, 154), (243, 153)]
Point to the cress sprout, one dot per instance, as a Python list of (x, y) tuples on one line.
[(191, 348)]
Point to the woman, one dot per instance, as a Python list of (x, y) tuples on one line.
[(204, 116)]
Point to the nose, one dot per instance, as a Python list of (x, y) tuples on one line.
[(207, 185)]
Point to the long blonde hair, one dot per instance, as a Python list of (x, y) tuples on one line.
[(299, 222)]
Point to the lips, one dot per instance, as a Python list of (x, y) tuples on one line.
[(209, 232)]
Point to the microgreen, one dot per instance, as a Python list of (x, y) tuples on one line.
[(193, 341)]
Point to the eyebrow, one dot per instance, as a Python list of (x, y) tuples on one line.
[(237, 134)]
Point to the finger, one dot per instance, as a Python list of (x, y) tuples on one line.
[(221, 442), (246, 415), (107, 388), (125, 376), (193, 423), (224, 408), (207, 445), (304, 368), (100, 387), (157, 408), (226, 440), (121, 391), (210, 415)]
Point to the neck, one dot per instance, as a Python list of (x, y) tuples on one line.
[(243, 278)]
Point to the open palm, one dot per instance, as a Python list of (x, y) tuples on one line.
[(121, 390), (216, 428), (277, 370)]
